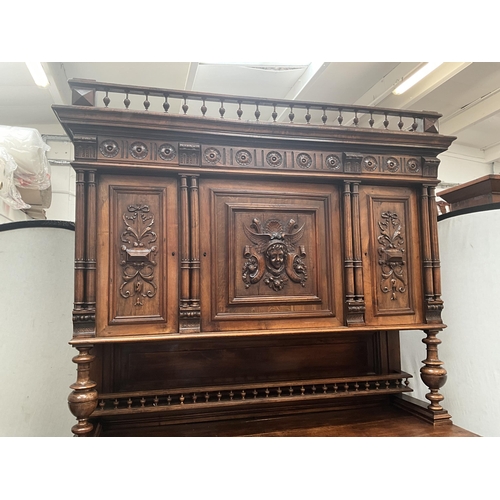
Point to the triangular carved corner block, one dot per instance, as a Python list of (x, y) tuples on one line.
[(83, 97), (431, 125)]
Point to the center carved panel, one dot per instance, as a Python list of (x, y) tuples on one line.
[(274, 258), (275, 255)]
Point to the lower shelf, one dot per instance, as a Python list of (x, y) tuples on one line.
[(377, 417)]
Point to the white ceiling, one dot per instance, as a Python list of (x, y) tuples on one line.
[(467, 94)]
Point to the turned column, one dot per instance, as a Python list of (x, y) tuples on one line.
[(433, 374), (83, 400)]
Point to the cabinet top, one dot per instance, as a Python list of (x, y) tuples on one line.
[(105, 111)]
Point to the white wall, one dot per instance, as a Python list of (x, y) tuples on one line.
[(469, 249), (36, 297)]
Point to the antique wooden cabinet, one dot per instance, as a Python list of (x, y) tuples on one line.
[(236, 266)]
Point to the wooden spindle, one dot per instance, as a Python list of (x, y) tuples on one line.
[(146, 102), (185, 106), (400, 123), (257, 112), (126, 101), (356, 119), (239, 112), (106, 99), (291, 115), (371, 121), (386, 121), (203, 109), (166, 104), (340, 118), (274, 114), (324, 117), (222, 109), (308, 116)]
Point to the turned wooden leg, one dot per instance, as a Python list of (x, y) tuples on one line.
[(433, 374), (83, 400)]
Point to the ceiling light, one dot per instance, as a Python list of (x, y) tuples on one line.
[(416, 77), (38, 73)]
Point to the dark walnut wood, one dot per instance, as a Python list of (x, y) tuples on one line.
[(479, 192), (230, 269)]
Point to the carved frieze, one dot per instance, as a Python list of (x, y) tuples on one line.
[(214, 155), (137, 254), (275, 256)]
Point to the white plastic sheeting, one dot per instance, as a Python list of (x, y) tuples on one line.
[(23, 164)]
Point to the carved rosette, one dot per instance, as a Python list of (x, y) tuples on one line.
[(392, 164), (212, 155), (275, 256), (304, 160), (109, 148), (391, 252), (137, 254), (370, 164), (167, 152), (243, 157), (139, 150), (274, 159), (333, 162), (413, 165)]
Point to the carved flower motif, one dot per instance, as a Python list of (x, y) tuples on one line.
[(413, 165), (304, 160), (274, 159), (243, 157), (392, 164), (212, 155), (167, 152), (109, 148), (333, 162), (370, 163), (139, 150)]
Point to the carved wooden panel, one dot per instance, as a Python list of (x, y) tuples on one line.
[(271, 255), (138, 237), (391, 255)]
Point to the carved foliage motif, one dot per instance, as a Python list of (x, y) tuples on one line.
[(137, 254), (391, 252), (275, 256)]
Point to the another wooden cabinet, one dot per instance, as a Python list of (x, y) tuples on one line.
[(227, 268)]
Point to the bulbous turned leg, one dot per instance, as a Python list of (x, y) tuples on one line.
[(433, 374), (83, 400)]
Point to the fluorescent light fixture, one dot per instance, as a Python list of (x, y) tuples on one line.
[(416, 77), (38, 73)]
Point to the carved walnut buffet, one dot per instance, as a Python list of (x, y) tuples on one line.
[(241, 266)]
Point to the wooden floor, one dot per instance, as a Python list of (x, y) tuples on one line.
[(386, 421)]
